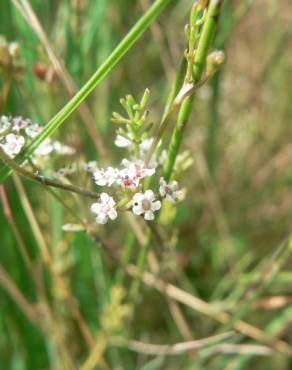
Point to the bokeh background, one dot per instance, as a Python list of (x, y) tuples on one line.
[(238, 205)]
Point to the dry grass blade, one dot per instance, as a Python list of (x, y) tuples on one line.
[(12, 290), (9, 215), (243, 349), (169, 349), (209, 310)]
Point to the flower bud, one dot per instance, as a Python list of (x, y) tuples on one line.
[(144, 99), (214, 60)]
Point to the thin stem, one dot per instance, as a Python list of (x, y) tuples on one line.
[(210, 310), (9, 215), (127, 42), (44, 180), (16, 295), (267, 275)]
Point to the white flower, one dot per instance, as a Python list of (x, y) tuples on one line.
[(130, 176), (13, 144), (4, 124), (169, 191), (122, 141), (128, 179), (33, 130), (138, 168), (65, 171), (63, 149), (104, 209), (145, 145), (108, 176), (20, 123), (45, 148), (90, 166), (145, 203)]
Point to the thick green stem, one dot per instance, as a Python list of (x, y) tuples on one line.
[(199, 63), (128, 41), (177, 136)]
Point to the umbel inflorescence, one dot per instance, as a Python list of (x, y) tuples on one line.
[(133, 178), (17, 132)]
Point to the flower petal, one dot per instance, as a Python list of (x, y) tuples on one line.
[(138, 197), (156, 205), (101, 219), (149, 195), (138, 210), (112, 214), (104, 197), (149, 215), (95, 207)]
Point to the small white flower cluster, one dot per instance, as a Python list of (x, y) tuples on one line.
[(127, 177), (142, 203), (170, 191), (133, 134), (15, 132)]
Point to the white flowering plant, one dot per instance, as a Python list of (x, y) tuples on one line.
[(116, 207), (147, 175)]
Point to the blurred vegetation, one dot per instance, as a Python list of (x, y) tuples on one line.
[(226, 244)]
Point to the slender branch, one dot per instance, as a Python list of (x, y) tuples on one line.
[(44, 180)]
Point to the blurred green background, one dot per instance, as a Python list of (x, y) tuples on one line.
[(238, 205)]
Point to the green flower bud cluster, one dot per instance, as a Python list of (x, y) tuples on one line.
[(134, 126)]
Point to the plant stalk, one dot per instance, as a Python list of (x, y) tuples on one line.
[(199, 63)]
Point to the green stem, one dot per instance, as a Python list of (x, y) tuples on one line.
[(199, 63), (128, 41), (141, 263)]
